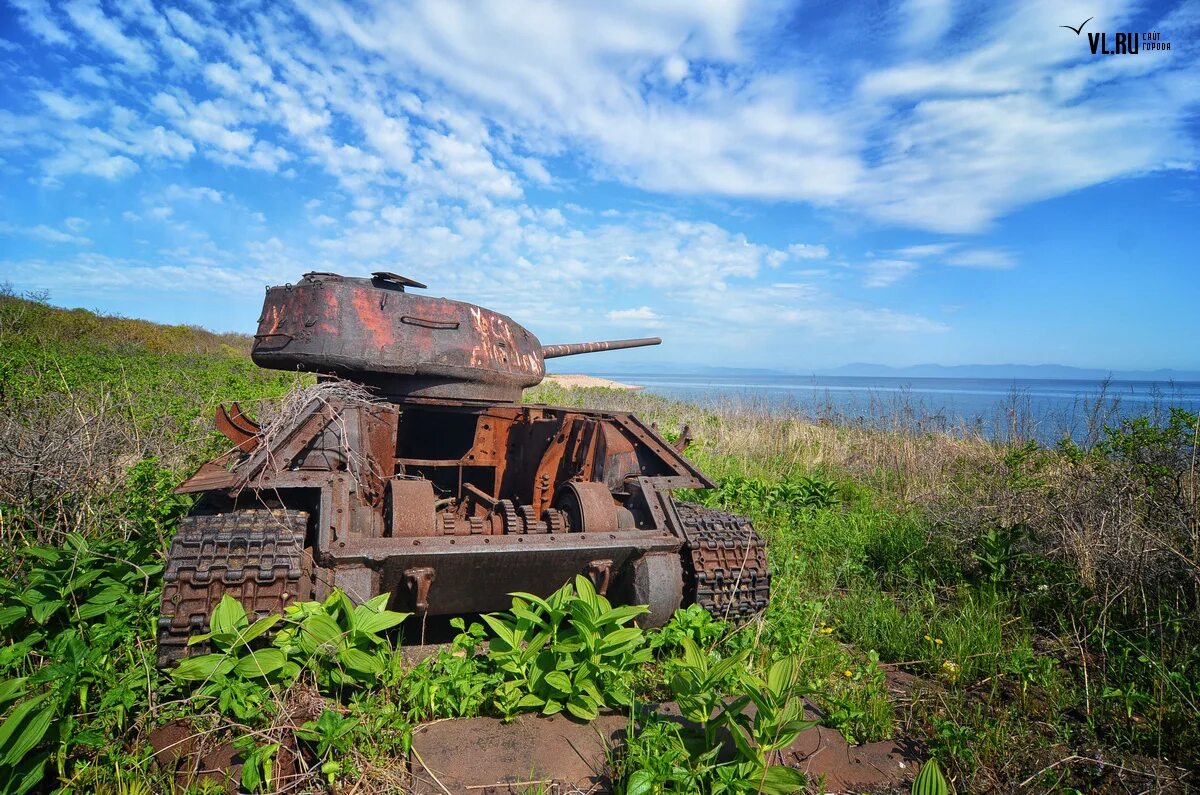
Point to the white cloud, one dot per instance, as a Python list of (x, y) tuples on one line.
[(193, 193), (70, 108), (37, 16), (641, 316), (923, 250), (803, 251), (110, 168), (185, 25), (675, 68), (47, 234), (885, 272), (89, 18), (990, 259), (43, 232), (927, 21)]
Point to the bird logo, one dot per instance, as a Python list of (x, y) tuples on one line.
[(1079, 29)]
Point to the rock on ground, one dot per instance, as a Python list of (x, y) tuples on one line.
[(557, 756)]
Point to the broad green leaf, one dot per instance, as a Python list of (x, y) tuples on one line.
[(84, 579), (780, 780), (619, 615), (377, 604), (360, 661), (583, 708), (587, 592), (502, 628), (369, 618), (228, 616), (257, 628), (24, 728), (537, 600), (11, 688), (204, 667), (43, 610), (11, 615), (930, 780), (319, 630), (718, 671), (531, 701), (640, 783), (25, 776), (526, 614), (89, 610), (260, 663), (620, 640), (693, 656), (782, 675), (788, 733), (741, 739), (559, 681), (552, 707)]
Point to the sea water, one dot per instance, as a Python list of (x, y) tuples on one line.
[(1046, 410)]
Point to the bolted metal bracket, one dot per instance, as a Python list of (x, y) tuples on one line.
[(600, 573), (418, 581)]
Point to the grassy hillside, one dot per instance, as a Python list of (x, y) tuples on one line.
[(1028, 616)]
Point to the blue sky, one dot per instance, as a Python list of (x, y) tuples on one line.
[(772, 184)]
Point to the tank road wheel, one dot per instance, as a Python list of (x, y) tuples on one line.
[(657, 581), (725, 563), (255, 556)]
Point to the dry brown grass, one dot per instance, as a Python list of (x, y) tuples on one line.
[(1132, 540)]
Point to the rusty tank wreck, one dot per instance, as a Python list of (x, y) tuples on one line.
[(431, 481)]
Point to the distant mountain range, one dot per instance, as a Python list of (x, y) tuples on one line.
[(865, 370)]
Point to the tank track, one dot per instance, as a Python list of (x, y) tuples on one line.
[(725, 570), (256, 556)]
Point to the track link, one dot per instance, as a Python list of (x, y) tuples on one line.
[(726, 566), (256, 556)]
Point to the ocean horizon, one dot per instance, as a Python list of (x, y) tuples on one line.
[(1005, 409)]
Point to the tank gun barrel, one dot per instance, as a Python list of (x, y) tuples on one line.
[(554, 351)]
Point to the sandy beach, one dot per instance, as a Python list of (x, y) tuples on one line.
[(584, 381)]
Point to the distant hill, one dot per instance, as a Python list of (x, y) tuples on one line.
[(35, 322), (596, 366)]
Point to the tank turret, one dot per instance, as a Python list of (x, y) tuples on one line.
[(375, 332)]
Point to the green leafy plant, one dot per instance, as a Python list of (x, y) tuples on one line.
[(338, 641), (454, 682), (690, 759), (333, 735), (778, 719), (930, 781), (569, 651), (258, 763)]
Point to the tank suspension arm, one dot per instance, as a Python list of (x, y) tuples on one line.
[(554, 351)]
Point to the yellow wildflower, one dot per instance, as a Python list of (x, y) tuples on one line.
[(938, 641), (928, 637), (848, 673)]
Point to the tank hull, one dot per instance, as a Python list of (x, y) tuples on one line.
[(450, 507)]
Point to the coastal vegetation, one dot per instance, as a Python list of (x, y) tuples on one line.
[(1025, 614)]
